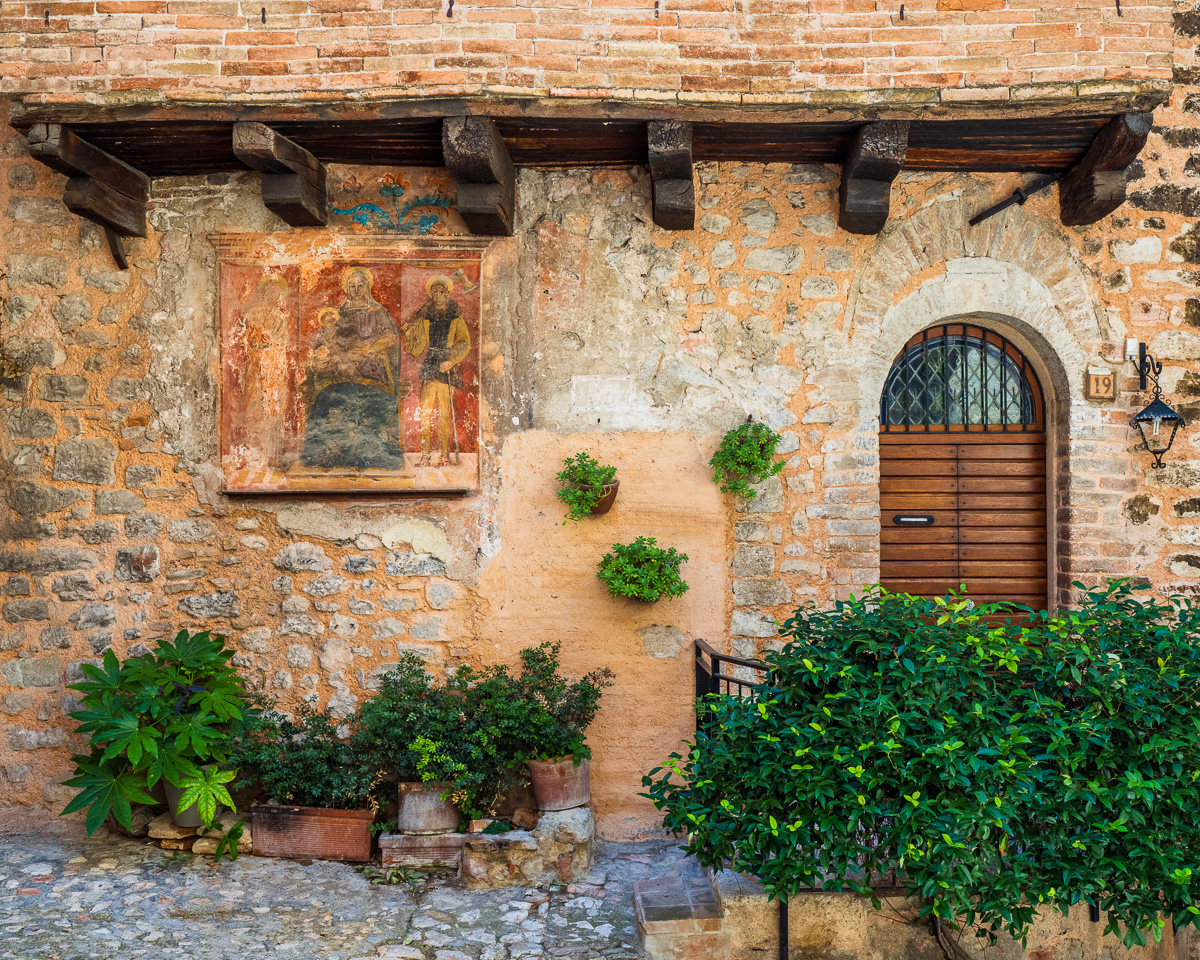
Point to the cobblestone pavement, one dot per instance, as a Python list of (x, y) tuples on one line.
[(66, 897)]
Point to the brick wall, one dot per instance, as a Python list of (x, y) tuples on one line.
[(750, 51)]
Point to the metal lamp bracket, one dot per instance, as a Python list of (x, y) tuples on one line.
[(1148, 367)]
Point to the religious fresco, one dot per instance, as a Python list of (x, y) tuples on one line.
[(353, 369)]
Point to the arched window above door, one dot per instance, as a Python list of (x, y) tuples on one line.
[(959, 377)]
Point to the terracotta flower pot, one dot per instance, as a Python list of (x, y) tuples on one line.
[(606, 502), (560, 784), (422, 810), (311, 832)]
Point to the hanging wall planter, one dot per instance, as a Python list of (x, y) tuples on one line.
[(643, 571), (587, 487), (746, 456)]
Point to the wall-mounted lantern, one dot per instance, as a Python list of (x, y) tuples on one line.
[(1157, 415)]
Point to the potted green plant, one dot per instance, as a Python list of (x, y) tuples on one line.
[(560, 713), (167, 715), (746, 455), (587, 487), (321, 788), (413, 731), (643, 571)]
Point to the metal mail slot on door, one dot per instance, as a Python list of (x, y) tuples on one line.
[(912, 520)]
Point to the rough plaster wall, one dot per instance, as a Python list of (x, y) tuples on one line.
[(601, 332)]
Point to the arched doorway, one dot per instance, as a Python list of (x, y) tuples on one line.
[(962, 463)]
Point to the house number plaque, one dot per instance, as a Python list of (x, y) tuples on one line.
[(1101, 384)]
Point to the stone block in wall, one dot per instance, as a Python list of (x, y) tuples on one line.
[(31, 423), (403, 564), (768, 497), (761, 593), (751, 623), (302, 557), (32, 672), (220, 603), (26, 609), (144, 525), (137, 564), (753, 561), (93, 615), (86, 460), (46, 560), (54, 388), (22, 739), (27, 271), (73, 586)]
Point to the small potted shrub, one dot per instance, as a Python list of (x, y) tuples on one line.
[(643, 571), (587, 487), (559, 716), (414, 731), (167, 715), (746, 455), (321, 788)]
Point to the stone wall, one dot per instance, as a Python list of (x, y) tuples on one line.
[(761, 51), (600, 332)]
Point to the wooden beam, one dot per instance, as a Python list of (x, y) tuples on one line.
[(669, 144), (293, 180), (1095, 186), (474, 153), (874, 160), (102, 188)]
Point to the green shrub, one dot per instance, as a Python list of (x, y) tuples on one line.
[(746, 455), (405, 706), (168, 714), (469, 729), (303, 761), (643, 571), (998, 769), (561, 711), (582, 484)]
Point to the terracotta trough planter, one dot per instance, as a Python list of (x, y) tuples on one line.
[(311, 832), (560, 784)]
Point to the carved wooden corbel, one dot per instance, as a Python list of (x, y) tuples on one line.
[(670, 148), (474, 153), (293, 180), (874, 160)]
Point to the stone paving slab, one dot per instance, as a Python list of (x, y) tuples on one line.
[(66, 897)]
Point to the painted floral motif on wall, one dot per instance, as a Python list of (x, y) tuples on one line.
[(416, 202)]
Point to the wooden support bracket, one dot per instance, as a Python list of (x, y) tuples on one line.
[(102, 188), (874, 160), (1095, 186), (293, 180), (670, 149), (475, 154)]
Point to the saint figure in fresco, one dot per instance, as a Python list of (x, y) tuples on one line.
[(352, 387), (262, 333), (438, 333)]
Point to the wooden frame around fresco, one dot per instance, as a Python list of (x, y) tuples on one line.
[(274, 455)]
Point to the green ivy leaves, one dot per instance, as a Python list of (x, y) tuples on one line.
[(746, 455), (643, 571)]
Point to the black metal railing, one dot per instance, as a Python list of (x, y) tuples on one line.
[(714, 674)]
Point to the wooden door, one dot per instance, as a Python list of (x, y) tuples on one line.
[(964, 509), (962, 464)]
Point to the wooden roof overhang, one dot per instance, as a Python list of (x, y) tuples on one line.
[(113, 152)]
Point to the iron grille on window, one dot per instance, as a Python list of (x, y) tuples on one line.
[(960, 377)]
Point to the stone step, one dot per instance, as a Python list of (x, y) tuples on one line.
[(679, 918)]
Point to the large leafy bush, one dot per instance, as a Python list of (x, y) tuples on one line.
[(995, 768), (167, 714)]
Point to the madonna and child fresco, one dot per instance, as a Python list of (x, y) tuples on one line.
[(351, 375)]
